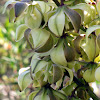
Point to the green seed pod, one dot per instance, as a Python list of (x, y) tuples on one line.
[(62, 53), (57, 73), (69, 53), (77, 43), (20, 8), (56, 22), (89, 74), (97, 74), (87, 45), (33, 17), (42, 40), (58, 55), (98, 40)]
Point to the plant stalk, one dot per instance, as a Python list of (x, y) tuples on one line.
[(56, 2)]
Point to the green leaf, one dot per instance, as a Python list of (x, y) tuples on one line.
[(20, 8), (20, 32), (90, 30), (74, 17), (24, 80), (8, 3)]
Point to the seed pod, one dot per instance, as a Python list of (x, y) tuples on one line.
[(57, 73), (58, 56), (98, 40), (47, 46), (69, 53), (97, 74), (77, 43), (89, 74), (56, 22), (62, 53), (42, 40), (33, 17), (20, 8), (91, 43)]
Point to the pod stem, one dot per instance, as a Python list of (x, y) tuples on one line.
[(86, 86), (62, 2)]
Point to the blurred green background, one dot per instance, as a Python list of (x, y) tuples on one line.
[(13, 56)]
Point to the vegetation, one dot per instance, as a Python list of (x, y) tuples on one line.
[(63, 38)]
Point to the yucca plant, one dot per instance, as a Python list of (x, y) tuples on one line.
[(64, 37)]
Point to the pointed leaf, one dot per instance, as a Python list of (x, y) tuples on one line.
[(20, 32), (90, 30), (20, 8), (24, 80), (74, 18)]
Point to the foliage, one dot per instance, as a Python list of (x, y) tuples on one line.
[(10, 50), (65, 39)]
